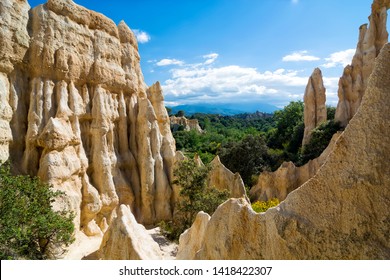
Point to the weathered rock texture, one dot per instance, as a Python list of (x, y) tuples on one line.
[(128, 240), (14, 42), (315, 108), (353, 83), (75, 110), (223, 179), (191, 240), (341, 213), (288, 177), (187, 124)]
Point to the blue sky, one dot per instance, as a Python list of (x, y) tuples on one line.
[(219, 51)]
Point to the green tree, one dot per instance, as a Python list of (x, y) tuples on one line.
[(195, 196), (330, 112), (29, 227), (249, 157), (286, 121), (319, 140), (180, 113)]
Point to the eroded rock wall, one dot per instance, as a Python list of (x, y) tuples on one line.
[(75, 111), (353, 83), (187, 124), (341, 213), (288, 177)]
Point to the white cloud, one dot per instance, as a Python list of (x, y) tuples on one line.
[(210, 58), (295, 1), (167, 62), (202, 82), (142, 36), (300, 56), (342, 58)]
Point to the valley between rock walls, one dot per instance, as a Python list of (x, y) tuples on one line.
[(75, 111)]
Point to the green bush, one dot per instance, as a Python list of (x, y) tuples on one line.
[(29, 228), (195, 196), (319, 140), (262, 206), (249, 157)]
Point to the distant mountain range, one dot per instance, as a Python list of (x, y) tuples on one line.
[(226, 109)]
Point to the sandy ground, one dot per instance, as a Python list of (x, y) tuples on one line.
[(85, 247), (168, 248)]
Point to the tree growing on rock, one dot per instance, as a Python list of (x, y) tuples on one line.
[(195, 196), (29, 227)]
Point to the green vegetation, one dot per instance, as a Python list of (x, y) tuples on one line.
[(219, 131), (287, 136), (195, 196), (319, 140), (262, 206), (29, 227), (252, 143), (249, 157)]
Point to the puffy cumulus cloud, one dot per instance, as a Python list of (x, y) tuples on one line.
[(341, 58), (167, 62), (142, 36), (300, 56), (195, 83), (203, 82)]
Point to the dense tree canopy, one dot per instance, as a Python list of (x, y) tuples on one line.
[(251, 143)]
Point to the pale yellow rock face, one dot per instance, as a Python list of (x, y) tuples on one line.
[(14, 42), (341, 213), (128, 240), (188, 124), (75, 111), (191, 240), (288, 177), (353, 83), (223, 179), (315, 108)]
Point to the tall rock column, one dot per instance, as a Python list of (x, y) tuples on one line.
[(353, 82), (14, 42), (314, 99)]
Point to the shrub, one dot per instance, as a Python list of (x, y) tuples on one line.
[(319, 140), (262, 206), (195, 196), (29, 227)]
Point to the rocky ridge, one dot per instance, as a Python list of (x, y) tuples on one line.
[(75, 111), (288, 177), (352, 86), (187, 124), (340, 213), (353, 83)]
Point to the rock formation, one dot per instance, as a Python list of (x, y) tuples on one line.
[(191, 240), (340, 213), (14, 42), (288, 177), (223, 179), (128, 240), (76, 112), (187, 124), (353, 83), (315, 109)]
